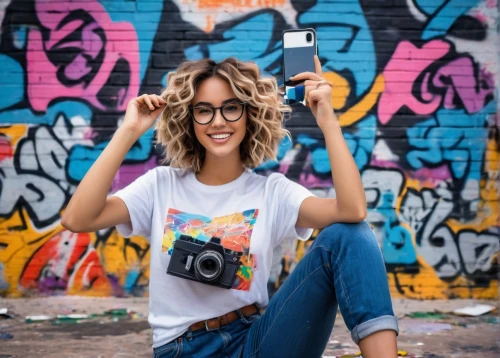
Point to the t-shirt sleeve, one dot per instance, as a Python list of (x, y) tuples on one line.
[(138, 196), (287, 197)]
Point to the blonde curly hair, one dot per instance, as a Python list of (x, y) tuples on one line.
[(175, 128)]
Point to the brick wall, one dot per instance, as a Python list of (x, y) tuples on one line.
[(416, 93)]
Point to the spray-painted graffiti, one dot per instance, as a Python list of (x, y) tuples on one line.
[(415, 89)]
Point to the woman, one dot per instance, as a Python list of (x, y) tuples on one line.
[(218, 121)]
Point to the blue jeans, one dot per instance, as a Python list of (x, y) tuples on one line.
[(343, 267)]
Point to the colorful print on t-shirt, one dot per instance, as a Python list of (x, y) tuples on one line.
[(234, 230)]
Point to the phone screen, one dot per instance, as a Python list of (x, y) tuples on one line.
[(299, 48)]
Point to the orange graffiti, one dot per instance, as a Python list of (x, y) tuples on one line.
[(340, 90), (360, 109)]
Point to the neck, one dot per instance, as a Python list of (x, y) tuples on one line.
[(219, 171)]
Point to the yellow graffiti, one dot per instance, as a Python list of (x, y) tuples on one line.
[(119, 258), (360, 109), (15, 133), (340, 90), (426, 284), (111, 260), (19, 240)]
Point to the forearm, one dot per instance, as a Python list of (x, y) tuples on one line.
[(350, 194), (90, 196)]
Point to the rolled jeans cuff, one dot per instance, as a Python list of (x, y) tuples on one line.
[(374, 325)]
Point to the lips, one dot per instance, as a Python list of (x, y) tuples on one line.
[(220, 135), (220, 138)]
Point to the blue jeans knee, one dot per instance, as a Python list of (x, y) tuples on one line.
[(335, 235)]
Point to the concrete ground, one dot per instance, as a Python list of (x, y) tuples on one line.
[(130, 335)]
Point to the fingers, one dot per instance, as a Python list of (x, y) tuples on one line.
[(307, 89), (155, 100), (148, 102), (152, 101), (162, 101), (310, 85), (314, 83), (311, 95), (317, 66), (306, 76)]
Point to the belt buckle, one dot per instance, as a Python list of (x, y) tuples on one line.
[(210, 329)]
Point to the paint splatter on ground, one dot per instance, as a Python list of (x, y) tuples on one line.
[(129, 335)]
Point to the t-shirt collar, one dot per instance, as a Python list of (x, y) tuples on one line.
[(217, 188)]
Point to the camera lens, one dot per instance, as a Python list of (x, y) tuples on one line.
[(209, 265), (309, 37)]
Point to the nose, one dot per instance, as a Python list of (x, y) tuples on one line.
[(218, 121)]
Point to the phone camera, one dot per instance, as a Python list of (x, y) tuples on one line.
[(309, 37)]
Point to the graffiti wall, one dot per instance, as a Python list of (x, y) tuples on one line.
[(416, 91)]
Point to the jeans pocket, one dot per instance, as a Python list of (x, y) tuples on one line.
[(250, 319), (167, 350)]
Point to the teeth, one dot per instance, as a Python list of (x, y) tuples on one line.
[(220, 136)]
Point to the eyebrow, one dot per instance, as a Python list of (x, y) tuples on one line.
[(223, 102)]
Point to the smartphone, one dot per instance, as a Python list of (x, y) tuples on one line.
[(299, 48)]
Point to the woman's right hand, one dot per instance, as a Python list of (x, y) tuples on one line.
[(142, 112)]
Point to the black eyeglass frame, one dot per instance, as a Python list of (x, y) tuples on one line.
[(214, 110)]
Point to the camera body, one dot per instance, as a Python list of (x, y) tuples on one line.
[(206, 262)]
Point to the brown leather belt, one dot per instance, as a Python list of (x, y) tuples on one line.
[(214, 323)]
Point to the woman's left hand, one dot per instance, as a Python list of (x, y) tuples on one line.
[(318, 94)]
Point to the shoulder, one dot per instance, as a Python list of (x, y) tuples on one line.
[(279, 180), (274, 182)]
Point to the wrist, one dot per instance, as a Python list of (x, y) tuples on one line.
[(329, 122), (127, 134)]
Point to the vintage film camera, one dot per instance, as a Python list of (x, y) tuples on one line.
[(208, 263)]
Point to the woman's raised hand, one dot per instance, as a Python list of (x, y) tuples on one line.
[(318, 94), (142, 112)]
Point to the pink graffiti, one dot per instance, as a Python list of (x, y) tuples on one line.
[(405, 66), (491, 4), (425, 175), (81, 54), (460, 72), (455, 84), (130, 172)]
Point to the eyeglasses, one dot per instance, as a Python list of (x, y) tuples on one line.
[(231, 112)]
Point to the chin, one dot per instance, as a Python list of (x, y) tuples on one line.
[(220, 152)]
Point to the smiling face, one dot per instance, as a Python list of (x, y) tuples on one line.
[(220, 138)]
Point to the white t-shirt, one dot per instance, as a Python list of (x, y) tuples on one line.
[(252, 214)]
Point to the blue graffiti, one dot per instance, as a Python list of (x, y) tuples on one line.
[(397, 245), (82, 157), (26, 116), (20, 35), (360, 144), (344, 39), (145, 16), (443, 14), (252, 40), (454, 137), (362, 141), (131, 280), (284, 146), (319, 154), (11, 83)]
